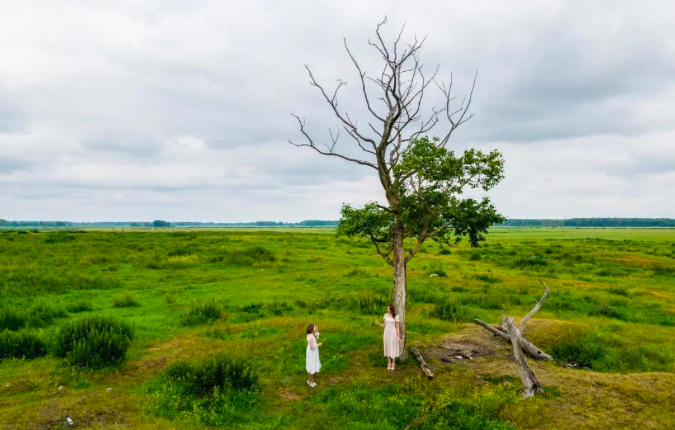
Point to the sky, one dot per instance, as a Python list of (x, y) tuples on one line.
[(180, 110)]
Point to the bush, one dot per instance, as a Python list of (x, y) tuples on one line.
[(606, 311), (221, 372), (93, 342), (11, 319), (202, 313), (475, 255), (125, 300), (279, 308), (79, 306), (42, 313), (219, 391), (451, 311), (22, 344), (246, 257), (436, 269)]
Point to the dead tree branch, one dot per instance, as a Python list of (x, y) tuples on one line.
[(423, 364)]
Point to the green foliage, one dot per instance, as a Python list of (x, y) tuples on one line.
[(41, 313), (21, 344), (604, 351), (246, 257), (202, 313), (126, 300), (217, 391), (427, 183), (79, 306), (93, 342), (10, 319), (450, 310)]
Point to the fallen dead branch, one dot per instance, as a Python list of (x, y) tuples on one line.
[(423, 364), (508, 330), (527, 346)]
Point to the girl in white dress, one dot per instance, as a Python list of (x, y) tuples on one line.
[(392, 337), (312, 362)]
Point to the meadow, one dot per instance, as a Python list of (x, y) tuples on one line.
[(206, 328)]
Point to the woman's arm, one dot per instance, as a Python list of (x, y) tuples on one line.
[(398, 333), (379, 323)]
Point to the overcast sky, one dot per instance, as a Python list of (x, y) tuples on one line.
[(180, 110)]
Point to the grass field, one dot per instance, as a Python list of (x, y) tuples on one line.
[(246, 297)]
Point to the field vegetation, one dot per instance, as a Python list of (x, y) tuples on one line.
[(189, 329)]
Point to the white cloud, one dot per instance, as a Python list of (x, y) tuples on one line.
[(123, 110)]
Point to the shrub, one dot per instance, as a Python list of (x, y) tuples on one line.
[(11, 319), (125, 300), (202, 313), (93, 342), (43, 313), (364, 303), (79, 306), (220, 372), (279, 308), (451, 311), (474, 255), (22, 344), (246, 257), (606, 311), (578, 352), (218, 391), (436, 269)]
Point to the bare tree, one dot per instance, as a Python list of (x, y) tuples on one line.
[(421, 191)]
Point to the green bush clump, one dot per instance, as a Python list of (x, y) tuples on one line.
[(79, 306), (202, 313), (218, 391), (10, 319), (43, 313), (364, 303), (220, 372), (21, 344), (279, 307), (40, 314), (436, 269), (475, 255), (450, 310), (601, 352), (246, 257), (606, 311), (93, 342), (535, 260), (126, 300)]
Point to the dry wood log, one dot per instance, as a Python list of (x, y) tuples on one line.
[(423, 364), (525, 344), (530, 382)]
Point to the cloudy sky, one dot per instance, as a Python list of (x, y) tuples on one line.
[(179, 110)]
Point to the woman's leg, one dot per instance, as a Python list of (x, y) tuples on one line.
[(310, 378)]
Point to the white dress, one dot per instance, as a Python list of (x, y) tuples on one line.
[(391, 344), (312, 363)]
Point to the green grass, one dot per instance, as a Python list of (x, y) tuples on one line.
[(192, 295)]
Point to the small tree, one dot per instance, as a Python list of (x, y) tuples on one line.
[(422, 180)]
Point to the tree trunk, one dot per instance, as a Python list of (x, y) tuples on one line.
[(399, 291)]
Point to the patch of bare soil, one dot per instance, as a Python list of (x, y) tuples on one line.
[(471, 344), (289, 395)]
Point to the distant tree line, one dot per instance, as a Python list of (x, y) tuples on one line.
[(572, 222), (591, 222), (162, 223)]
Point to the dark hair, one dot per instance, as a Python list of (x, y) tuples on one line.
[(392, 310), (310, 329)]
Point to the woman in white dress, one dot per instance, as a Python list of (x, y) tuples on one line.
[(312, 362), (392, 337)]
